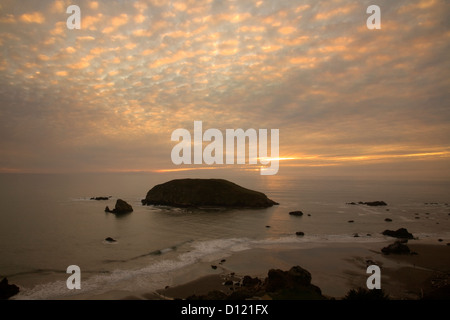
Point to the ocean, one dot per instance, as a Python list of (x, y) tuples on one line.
[(48, 222)]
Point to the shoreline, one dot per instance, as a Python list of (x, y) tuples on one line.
[(335, 268)]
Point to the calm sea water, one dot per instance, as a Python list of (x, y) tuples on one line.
[(48, 222)]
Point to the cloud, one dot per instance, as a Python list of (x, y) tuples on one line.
[(34, 17), (339, 93)]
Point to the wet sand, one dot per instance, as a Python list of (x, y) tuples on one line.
[(335, 268)]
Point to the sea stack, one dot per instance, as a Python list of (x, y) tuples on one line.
[(120, 208), (205, 193)]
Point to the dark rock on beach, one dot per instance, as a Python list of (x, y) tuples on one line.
[(400, 233), (296, 213), (366, 294), (388, 220), (205, 193), (120, 208), (280, 285), (248, 281), (396, 248), (300, 233), (375, 203), (292, 284), (109, 239), (7, 290)]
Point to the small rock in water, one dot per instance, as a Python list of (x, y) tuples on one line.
[(228, 283), (214, 267), (369, 235), (100, 198), (309, 215), (299, 233), (440, 240), (355, 235), (351, 221), (267, 226), (388, 220), (109, 239), (296, 213)]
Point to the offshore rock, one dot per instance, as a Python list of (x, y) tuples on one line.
[(205, 193), (120, 208)]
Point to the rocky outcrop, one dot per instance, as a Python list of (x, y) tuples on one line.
[(400, 233), (286, 285), (120, 208), (205, 193), (7, 290)]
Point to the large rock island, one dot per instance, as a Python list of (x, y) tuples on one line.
[(205, 193)]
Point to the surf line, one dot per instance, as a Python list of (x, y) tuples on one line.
[(214, 152)]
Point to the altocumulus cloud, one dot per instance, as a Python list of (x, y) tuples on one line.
[(107, 97)]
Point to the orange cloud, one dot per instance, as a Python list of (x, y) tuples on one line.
[(130, 46), (35, 17), (93, 5), (58, 7), (116, 22), (142, 33), (139, 18), (180, 6), (287, 30), (306, 62), (89, 22), (335, 12)]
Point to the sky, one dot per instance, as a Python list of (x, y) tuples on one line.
[(107, 97)]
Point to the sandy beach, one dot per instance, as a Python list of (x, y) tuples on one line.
[(335, 268)]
